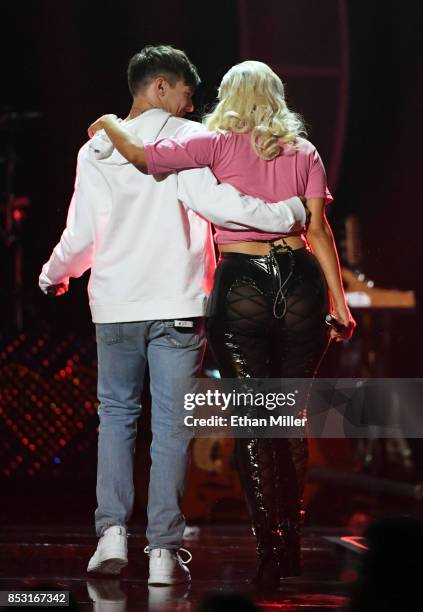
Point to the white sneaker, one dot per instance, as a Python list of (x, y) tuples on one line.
[(167, 567), (112, 552), (191, 532)]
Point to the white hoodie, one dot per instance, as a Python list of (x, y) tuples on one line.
[(146, 239)]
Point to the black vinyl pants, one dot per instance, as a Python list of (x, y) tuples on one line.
[(257, 330)]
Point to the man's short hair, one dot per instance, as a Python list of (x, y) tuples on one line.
[(163, 60)]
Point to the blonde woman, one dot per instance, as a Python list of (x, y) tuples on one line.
[(272, 291)]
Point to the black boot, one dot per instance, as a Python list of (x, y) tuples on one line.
[(278, 555), (270, 482)]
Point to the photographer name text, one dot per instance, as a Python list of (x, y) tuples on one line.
[(244, 421)]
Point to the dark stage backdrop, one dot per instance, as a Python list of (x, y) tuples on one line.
[(67, 60)]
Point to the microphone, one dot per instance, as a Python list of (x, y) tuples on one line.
[(339, 327)]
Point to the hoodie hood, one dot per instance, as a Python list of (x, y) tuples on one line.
[(146, 126)]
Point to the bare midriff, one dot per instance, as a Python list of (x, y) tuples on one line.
[(261, 248)]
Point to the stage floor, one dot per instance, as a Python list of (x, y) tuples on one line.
[(223, 560)]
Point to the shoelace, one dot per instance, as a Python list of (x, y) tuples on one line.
[(184, 562)]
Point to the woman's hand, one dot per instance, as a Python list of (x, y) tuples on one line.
[(343, 314), (128, 145), (98, 124)]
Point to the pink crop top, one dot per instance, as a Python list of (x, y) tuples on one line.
[(297, 171)]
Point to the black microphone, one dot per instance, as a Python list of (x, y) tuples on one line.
[(339, 327)]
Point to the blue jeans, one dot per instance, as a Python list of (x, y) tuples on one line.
[(123, 351)]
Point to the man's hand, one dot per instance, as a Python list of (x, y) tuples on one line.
[(98, 125), (57, 290), (307, 210)]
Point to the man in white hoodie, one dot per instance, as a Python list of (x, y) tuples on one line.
[(149, 246)]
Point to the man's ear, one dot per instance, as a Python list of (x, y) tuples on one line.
[(161, 86)]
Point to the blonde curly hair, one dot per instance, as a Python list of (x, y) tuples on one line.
[(251, 99)]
